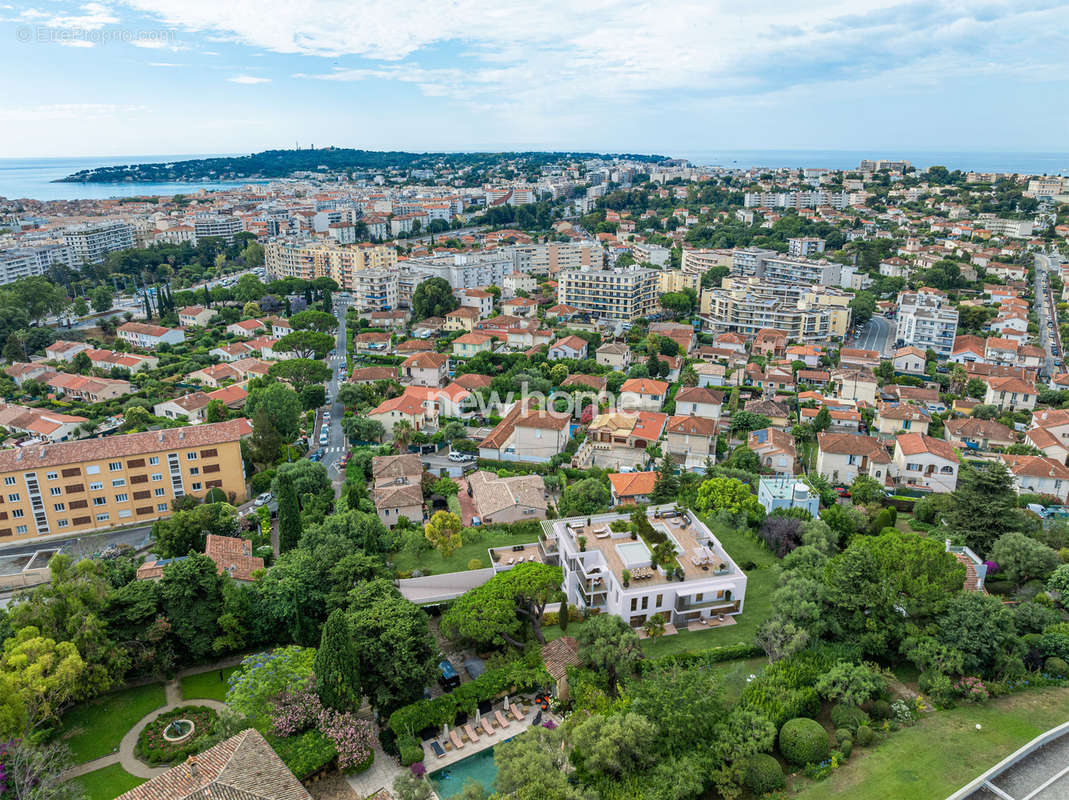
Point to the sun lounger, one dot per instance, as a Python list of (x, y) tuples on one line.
[(502, 720), (456, 740), (488, 729), (514, 709), (511, 561), (471, 733), (437, 748)]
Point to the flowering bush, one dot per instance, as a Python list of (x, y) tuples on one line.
[(352, 737), (972, 690), (153, 748), (295, 712), (902, 712), (992, 567)]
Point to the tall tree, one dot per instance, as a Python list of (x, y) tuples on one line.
[(609, 644), (306, 344), (337, 665), (39, 676), (191, 594), (985, 506), (666, 487), (433, 297), (443, 532), (300, 372), (494, 613), (289, 514)]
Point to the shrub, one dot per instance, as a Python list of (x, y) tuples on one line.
[(803, 741), (849, 717), (305, 754), (153, 748), (475, 563), (880, 710), (763, 774), (864, 735), (972, 690), (842, 734), (1057, 667), (411, 750), (846, 747)]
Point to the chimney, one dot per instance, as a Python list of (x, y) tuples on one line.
[(194, 772)]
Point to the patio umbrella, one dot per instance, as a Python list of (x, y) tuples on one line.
[(478, 716), (445, 731), (506, 704)]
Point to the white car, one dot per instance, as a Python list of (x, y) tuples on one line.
[(263, 499), (457, 456), (323, 438)]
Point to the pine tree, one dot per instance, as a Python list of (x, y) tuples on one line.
[(336, 665), (666, 487), (289, 514)]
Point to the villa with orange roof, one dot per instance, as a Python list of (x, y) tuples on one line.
[(924, 462), (631, 488)]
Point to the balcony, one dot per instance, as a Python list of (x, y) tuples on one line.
[(719, 605)]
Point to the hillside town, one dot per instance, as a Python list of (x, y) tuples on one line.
[(467, 451)]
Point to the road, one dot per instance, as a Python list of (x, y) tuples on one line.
[(876, 334), (337, 445), (1049, 337)]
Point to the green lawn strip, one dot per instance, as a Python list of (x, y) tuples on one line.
[(943, 751), (207, 685), (107, 783), (454, 505), (734, 675), (458, 560), (95, 728)]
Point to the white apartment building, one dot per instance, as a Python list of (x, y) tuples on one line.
[(772, 266), (806, 313), (925, 321), (89, 243), (552, 257), (655, 254), (23, 262), (696, 262), (804, 199), (805, 246), (609, 572), (622, 293), (221, 226), (463, 270), (1014, 228), (375, 289)]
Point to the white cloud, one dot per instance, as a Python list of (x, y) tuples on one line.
[(77, 111), (249, 79), (601, 51), (163, 64)]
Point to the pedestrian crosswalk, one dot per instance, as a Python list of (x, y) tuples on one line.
[(333, 449)]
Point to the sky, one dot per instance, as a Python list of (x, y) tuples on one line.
[(665, 76)]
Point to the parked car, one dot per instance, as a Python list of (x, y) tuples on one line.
[(457, 457), (323, 437), (263, 499), (842, 491)]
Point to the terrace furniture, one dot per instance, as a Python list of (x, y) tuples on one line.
[(437, 748), (470, 731), (487, 727), (514, 709), (511, 560), (502, 721), (458, 744), (602, 535)]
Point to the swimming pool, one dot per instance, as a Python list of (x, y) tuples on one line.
[(633, 553), (449, 782)]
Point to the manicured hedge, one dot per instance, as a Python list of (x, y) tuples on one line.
[(763, 774), (410, 749), (713, 655), (304, 754), (527, 673), (803, 741)]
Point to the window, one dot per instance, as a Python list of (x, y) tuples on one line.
[(634, 604), (191, 456), (157, 476), (125, 513), (100, 501), (21, 529), (52, 475), (196, 487), (161, 506), (645, 603), (55, 491), (9, 481), (913, 467), (947, 470), (153, 461), (18, 513), (12, 498), (59, 507), (96, 486), (660, 599), (102, 517), (114, 466), (93, 470), (62, 523), (194, 470), (122, 498), (118, 482), (159, 492)]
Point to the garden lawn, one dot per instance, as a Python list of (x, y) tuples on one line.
[(107, 783), (95, 728), (207, 685), (431, 561), (943, 751)]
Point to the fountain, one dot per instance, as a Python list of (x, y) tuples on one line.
[(178, 731)]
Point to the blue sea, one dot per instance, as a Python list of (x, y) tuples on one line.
[(33, 177)]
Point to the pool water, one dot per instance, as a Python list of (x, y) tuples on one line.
[(633, 553), (480, 768)]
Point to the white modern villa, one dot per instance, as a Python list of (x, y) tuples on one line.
[(707, 588)]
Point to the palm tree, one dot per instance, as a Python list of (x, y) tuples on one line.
[(402, 434), (654, 626)]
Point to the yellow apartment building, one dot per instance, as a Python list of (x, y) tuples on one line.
[(95, 484), (318, 259)]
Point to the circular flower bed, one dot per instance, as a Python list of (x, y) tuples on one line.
[(153, 747)]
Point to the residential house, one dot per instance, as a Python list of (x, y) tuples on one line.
[(924, 462), (131, 362), (214, 375), (479, 299), (620, 439), (426, 369), (841, 457), (41, 423), (397, 489), (1050, 433), (774, 448), (90, 389), (246, 327), (369, 375), (978, 434), (968, 349), (64, 351), (642, 394), (506, 500), (232, 352), (462, 319), (569, 347), (527, 435), (853, 357), (195, 316), (855, 384), (404, 408), (631, 488), (892, 418), (909, 360), (783, 492), (699, 401), (149, 337), (769, 342), (778, 414), (691, 440), (21, 372), (520, 307), (1039, 475), (616, 355), (373, 342), (471, 344), (1010, 394), (190, 407)]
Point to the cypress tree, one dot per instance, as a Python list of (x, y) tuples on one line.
[(336, 665), (289, 514), (563, 621)]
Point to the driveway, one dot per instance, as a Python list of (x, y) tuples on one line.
[(467, 505)]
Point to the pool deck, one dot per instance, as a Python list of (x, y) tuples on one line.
[(433, 763)]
